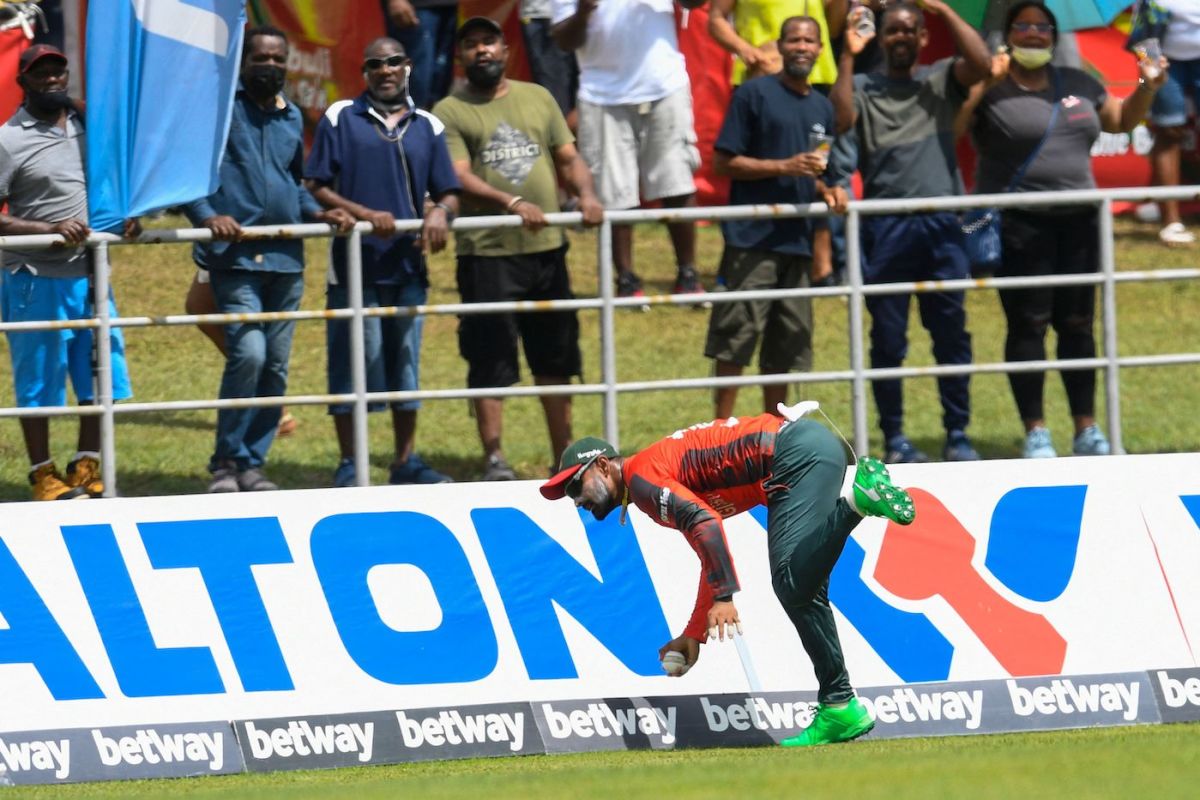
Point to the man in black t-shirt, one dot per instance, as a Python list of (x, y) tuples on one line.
[(774, 144)]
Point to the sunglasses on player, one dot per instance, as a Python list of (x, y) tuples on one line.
[(380, 63)]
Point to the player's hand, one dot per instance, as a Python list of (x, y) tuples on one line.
[(384, 222), (723, 620), (682, 644), (224, 228), (75, 231), (531, 215), (132, 228)]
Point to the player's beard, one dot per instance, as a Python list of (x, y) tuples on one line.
[(604, 504)]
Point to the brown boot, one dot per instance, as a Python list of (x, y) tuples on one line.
[(49, 485), (84, 473)]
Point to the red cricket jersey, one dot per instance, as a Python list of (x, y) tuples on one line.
[(695, 477)]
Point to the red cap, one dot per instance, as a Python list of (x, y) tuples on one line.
[(556, 487), (575, 459), (37, 53)]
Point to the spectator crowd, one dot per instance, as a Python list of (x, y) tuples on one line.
[(824, 88)]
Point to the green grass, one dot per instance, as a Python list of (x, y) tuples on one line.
[(166, 453), (1157, 761)]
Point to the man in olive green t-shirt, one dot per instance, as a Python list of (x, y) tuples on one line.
[(510, 145)]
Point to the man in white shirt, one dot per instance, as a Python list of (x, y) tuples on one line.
[(635, 118), (1168, 114)]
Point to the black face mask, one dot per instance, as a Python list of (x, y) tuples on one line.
[(264, 80), (48, 102), (485, 76)]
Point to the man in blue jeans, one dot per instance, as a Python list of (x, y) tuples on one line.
[(259, 185), (377, 157), (904, 121)]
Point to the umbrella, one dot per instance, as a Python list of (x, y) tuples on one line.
[(1072, 15)]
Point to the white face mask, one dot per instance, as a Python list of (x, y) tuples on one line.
[(1032, 57)]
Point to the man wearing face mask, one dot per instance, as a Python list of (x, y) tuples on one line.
[(259, 185), (377, 157), (904, 119), (43, 182), (509, 140)]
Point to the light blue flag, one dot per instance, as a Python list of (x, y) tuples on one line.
[(161, 76)]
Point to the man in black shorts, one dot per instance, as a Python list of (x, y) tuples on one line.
[(508, 140)]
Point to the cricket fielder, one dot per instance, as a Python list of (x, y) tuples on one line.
[(695, 477)]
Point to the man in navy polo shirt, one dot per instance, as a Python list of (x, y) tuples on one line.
[(771, 145), (377, 156)]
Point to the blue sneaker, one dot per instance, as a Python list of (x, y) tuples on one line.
[(345, 475), (1038, 444), (415, 470), (959, 448), (901, 451), (1091, 442)]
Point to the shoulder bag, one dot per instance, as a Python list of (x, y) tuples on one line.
[(981, 226)]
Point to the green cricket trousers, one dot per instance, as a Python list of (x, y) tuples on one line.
[(807, 525)]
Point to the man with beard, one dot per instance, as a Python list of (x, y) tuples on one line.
[(508, 139), (904, 119), (42, 180), (377, 157), (796, 468), (259, 185), (766, 146)]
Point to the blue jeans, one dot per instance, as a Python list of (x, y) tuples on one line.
[(391, 345), (256, 361), (430, 45), (917, 247)]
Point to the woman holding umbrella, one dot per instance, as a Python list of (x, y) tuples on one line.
[(1034, 128)]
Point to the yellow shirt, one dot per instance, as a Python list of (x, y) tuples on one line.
[(758, 21)]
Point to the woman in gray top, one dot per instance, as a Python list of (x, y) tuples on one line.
[(1011, 119)]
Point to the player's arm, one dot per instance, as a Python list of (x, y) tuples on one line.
[(674, 505)]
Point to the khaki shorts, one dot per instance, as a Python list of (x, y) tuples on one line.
[(786, 325), (644, 151)]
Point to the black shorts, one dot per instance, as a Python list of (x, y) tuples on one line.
[(489, 341)]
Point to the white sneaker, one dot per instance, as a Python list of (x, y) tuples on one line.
[(1175, 234)]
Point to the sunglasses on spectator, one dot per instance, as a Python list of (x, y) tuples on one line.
[(1026, 27), (379, 63)]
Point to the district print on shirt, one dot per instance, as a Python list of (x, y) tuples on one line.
[(511, 153)]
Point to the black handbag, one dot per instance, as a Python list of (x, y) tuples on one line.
[(981, 226)]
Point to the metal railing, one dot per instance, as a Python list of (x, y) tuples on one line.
[(606, 303)]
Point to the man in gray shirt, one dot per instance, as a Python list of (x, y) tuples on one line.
[(904, 119), (43, 181)]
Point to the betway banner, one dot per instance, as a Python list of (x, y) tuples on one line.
[(304, 606)]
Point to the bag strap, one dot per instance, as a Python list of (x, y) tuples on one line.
[(1016, 181)]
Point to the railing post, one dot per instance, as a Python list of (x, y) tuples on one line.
[(102, 338), (1112, 375), (858, 384), (608, 343), (358, 362)]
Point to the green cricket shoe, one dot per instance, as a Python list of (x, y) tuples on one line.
[(876, 496), (832, 725)]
